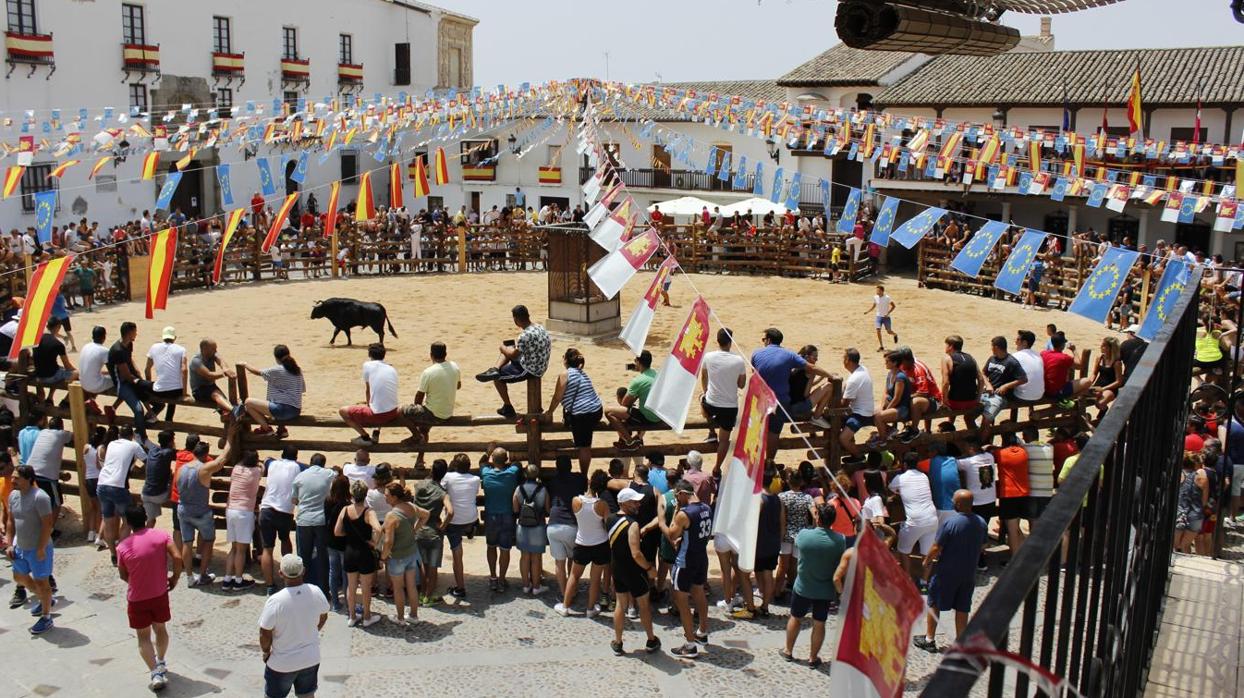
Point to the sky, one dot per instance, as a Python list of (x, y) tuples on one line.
[(672, 40)]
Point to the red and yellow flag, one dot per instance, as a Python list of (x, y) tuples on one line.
[(1135, 117), (330, 216), (44, 285), (59, 170), (185, 161), (420, 177), (440, 169), (231, 226), (12, 177), (160, 270), (365, 206), (150, 164), (278, 222), (395, 185), (99, 165)]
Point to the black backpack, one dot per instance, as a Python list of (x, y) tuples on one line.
[(528, 513)]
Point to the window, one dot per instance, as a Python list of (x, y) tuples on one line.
[(224, 97), (349, 165), (291, 101), (22, 16), (1184, 133), (138, 97), (477, 152), (36, 179), (435, 202), (555, 156), (401, 63), (345, 51), (222, 38), (291, 43), (133, 30)]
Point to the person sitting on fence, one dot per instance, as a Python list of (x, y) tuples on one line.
[(926, 397), (632, 417), (381, 398), (91, 362), (286, 384), (131, 389), (45, 355), (168, 359), (521, 359), (723, 374), (857, 396), (1004, 374), (896, 408), (809, 393), (581, 406), (207, 367), (1057, 367), (1108, 375), (435, 398)]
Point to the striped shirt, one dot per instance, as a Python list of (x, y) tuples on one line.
[(1040, 469), (284, 388), (580, 397)]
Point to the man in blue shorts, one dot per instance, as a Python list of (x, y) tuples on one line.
[(500, 479), (955, 550), (774, 363), (689, 532), (29, 543)]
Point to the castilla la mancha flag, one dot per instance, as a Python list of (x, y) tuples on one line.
[(671, 393), (880, 606), (737, 515), (635, 333), (612, 271)]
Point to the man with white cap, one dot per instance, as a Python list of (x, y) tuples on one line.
[(169, 361), (289, 633), (630, 571)]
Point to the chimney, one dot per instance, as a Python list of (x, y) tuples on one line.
[(1047, 28)]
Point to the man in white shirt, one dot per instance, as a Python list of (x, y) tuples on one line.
[(912, 486), (1033, 366), (722, 375), (168, 360), (113, 489), (857, 395), (361, 469), (380, 398), (462, 486), (8, 333), (882, 306), (276, 509), (91, 362), (289, 633)]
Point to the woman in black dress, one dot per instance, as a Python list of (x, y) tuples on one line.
[(358, 525)]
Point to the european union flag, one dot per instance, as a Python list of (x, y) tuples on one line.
[(825, 196), (910, 233), (166, 192), (740, 173), (1012, 274), (710, 164), (846, 223), (1174, 278), (930, 167), (300, 171), (45, 204), (973, 255), (1187, 209), (723, 172), (226, 188), (776, 192), (885, 222), (1025, 180), (1060, 189), (266, 185), (758, 180), (1097, 194), (792, 193), (855, 149), (1096, 296)]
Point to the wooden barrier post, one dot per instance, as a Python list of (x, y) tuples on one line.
[(81, 434), (535, 408), (833, 447), (462, 249), (332, 254)]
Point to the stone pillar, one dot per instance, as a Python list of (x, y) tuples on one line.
[(1143, 235), (1006, 211), (1073, 214)]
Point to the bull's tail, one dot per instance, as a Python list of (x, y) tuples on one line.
[(389, 323)]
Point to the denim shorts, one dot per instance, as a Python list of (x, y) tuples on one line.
[(991, 405), (499, 530), (398, 566), (113, 500), (203, 524), (431, 551), (304, 682)]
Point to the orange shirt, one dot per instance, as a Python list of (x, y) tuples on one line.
[(1012, 471), (843, 522)]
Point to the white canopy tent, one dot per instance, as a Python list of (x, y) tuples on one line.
[(758, 206), (683, 206)]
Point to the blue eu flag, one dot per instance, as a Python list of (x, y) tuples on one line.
[(1096, 296), (266, 185), (1174, 279), (846, 223), (166, 192), (911, 232), (1012, 274), (792, 193), (45, 204), (226, 188), (885, 222), (740, 173), (775, 194), (758, 180), (973, 255)]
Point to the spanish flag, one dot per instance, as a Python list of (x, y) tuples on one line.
[(150, 164), (160, 270), (231, 226), (44, 285), (278, 222), (440, 170), (99, 165), (185, 161), (12, 178), (1034, 155), (1135, 117), (395, 185), (59, 171), (421, 177), (330, 216), (365, 207)]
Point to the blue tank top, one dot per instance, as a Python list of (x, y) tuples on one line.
[(693, 551)]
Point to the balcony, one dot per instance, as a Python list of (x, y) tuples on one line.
[(140, 58), (349, 74), (479, 173), (28, 49), (228, 65), (295, 70)]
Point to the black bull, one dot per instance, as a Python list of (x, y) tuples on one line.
[(346, 313)]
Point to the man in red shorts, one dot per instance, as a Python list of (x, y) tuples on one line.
[(381, 404), (142, 562)]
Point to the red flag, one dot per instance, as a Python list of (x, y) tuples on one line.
[(278, 222), (395, 185), (231, 226), (330, 216), (44, 286), (160, 270), (1196, 129)]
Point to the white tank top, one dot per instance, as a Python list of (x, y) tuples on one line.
[(591, 527)]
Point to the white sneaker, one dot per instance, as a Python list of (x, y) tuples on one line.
[(536, 591), (593, 611), (526, 590), (632, 614), (723, 605), (90, 536), (371, 620), (561, 609), (158, 681)]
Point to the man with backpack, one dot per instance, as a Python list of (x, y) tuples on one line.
[(499, 482), (531, 504)]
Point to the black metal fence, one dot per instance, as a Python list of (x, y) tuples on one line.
[(1094, 621)]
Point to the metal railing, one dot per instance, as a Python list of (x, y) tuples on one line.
[(1096, 621), (690, 180)]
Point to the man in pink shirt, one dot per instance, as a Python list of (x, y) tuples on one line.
[(142, 562)]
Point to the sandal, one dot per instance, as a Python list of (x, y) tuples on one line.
[(786, 655), (815, 663)]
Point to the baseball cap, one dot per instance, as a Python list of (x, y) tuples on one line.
[(169, 333), (291, 566), (628, 495), (1132, 328)]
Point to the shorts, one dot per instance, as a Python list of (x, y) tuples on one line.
[(904, 412), (934, 405), (420, 414), (720, 417), (722, 544), (530, 539), (153, 504), (801, 410), (455, 532), (591, 554), (399, 566), (991, 405), (51, 488), (686, 577), (1237, 479), (1036, 507), (880, 321), (92, 487), (283, 413), (1192, 525), (561, 540), (962, 405), (65, 323), (513, 372), (986, 511), (26, 562), (800, 605), (203, 524), (364, 416), (145, 613), (1062, 392), (582, 427), (635, 418), (909, 536), (499, 530), (113, 501), (952, 592), (304, 682), (1208, 365), (431, 551), (778, 419), (272, 522), (856, 421), (633, 582), (766, 564), (61, 375), (1013, 508), (650, 543), (239, 526), (204, 393), (788, 548)]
